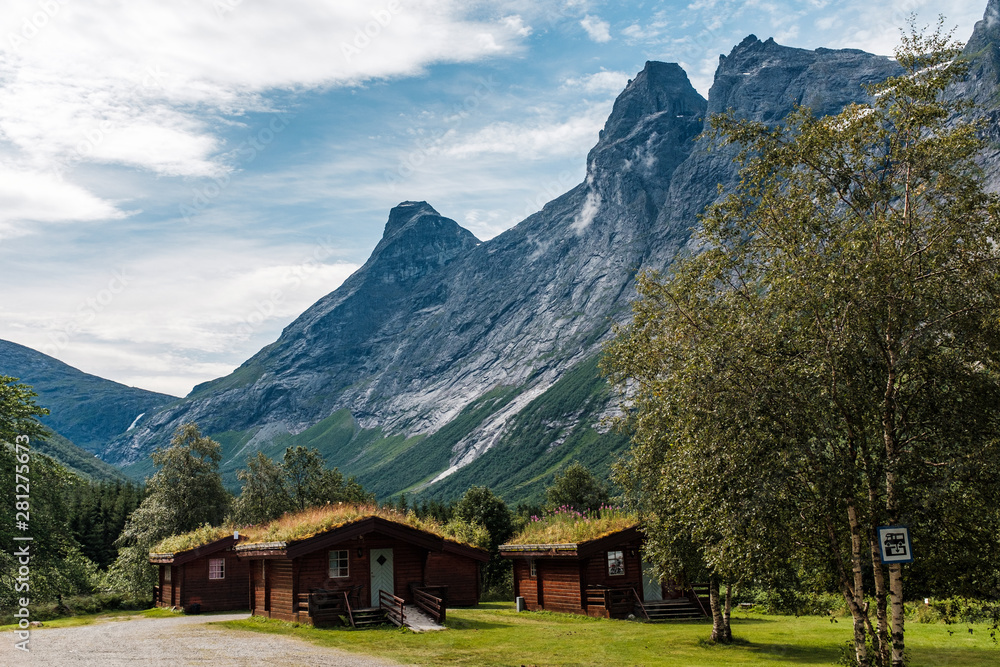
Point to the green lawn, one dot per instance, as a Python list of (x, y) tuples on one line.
[(494, 634), (88, 619)]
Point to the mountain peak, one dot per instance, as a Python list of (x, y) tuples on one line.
[(406, 212), (765, 80), (657, 88), (417, 240)]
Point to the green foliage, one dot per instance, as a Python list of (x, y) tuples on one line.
[(78, 605), (785, 601), (481, 506), (18, 411), (468, 533), (97, 513), (300, 481), (565, 525), (954, 610), (830, 361), (185, 492), (58, 567), (578, 488)]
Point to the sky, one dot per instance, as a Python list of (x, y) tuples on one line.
[(180, 179)]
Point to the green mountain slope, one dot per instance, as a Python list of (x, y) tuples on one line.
[(77, 460), (85, 409)]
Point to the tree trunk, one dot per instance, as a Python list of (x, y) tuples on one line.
[(718, 622), (881, 602), (727, 611), (859, 610), (896, 594), (892, 505)]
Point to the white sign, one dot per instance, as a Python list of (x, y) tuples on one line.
[(894, 544)]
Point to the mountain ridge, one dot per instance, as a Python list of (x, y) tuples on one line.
[(445, 358)]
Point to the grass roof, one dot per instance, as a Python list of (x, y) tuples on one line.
[(567, 526), (297, 526), (196, 538)]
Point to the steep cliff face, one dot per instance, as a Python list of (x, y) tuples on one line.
[(764, 82), (445, 361), (436, 319), (981, 88)]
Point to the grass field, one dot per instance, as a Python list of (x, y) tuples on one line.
[(494, 634)]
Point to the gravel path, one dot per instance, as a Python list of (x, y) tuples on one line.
[(185, 640)]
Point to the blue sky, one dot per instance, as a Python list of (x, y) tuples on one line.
[(179, 180)]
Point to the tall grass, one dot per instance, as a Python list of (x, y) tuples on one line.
[(566, 525)]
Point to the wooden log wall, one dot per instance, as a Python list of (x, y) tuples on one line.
[(458, 573), (226, 594), (597, 568), (560, 585)]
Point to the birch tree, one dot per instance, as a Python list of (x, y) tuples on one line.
[(836, 338)]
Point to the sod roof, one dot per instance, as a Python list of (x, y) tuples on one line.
[(566, 526), (294, 527)]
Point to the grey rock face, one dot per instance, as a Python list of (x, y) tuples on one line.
[(435, 319), (764, 82), (983, 52)]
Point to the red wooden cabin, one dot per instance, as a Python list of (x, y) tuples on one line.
[(211, 576), (360, 559), (601, 577)]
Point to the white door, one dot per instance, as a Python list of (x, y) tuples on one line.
[(382, 572), (651, 589)]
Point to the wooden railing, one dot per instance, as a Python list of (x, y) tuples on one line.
[(434, 606), (324, 606), (638, 603), (695, 594), (616, 601), (350, 614), (393, 607)]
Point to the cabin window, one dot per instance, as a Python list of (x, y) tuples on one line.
[(166, 574), (217, 568), (338, 564), (533, 569), (616, 563)]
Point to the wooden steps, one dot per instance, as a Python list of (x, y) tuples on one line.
[(369, 616), (672, 610)]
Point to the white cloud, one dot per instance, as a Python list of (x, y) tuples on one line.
[(516, 25), (598, 30), (603, 82), (589, 210), (151, 321), (27, 195), (149, 85), (532, 139)]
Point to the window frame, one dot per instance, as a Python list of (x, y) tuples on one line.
[(343, 559), (216, 569), (618, 560), (532, 568)]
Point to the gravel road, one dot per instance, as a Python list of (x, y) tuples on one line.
[(185, 640)]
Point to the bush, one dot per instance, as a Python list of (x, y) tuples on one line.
[(502, 590), (77, 605), (787, 602), (954, 610)]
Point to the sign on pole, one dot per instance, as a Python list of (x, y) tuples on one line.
[(894, 544)]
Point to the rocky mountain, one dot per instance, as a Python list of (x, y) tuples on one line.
[(445, 361), (86, 412)]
